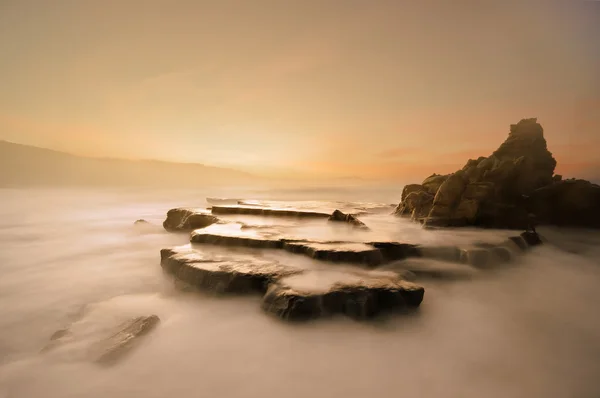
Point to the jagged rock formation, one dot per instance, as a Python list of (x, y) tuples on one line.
[(339, 216), (182, 219), (492, 191)]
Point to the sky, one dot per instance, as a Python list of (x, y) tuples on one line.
[(347, 88)]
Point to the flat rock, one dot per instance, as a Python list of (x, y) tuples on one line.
[(358, 253), (222, 274), (237, 234), (187, 219), (271, 212), (358, 295), (116, 346)]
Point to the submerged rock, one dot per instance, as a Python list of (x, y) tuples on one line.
[(183, 219), (222, 274), (348, 218), (319, 293), (141, 222), (395, 250), (116, 346), (424, 268), (272, 212)]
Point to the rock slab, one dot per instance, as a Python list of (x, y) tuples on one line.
[(222, 274), (314, 294)]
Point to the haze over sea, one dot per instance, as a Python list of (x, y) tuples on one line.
[(73, 258)]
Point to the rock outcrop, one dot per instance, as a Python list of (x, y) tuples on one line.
[(183, 219), (339, 216), (504, 189)]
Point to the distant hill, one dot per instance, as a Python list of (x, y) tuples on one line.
[(23, 165)]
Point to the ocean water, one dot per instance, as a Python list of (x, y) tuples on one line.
[(73, 258)]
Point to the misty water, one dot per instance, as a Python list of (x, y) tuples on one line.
[(73, 258)]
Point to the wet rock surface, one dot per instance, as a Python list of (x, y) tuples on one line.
[(222, 274), (360, 296), (184, 219), (505, 189)]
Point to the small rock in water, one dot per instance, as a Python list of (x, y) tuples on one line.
[(348, 218), (182, 219), (360, 296), (116, 346), (531, 238), (141, 222)]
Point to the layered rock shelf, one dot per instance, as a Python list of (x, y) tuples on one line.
[(268, 212), (513, 188), (312, 294), (292, 292)]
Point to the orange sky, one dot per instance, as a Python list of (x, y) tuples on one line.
[(383, 89)]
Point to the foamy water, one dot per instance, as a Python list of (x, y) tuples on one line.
[(72, 258)]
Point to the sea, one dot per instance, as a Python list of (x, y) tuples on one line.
[(73, 259)]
